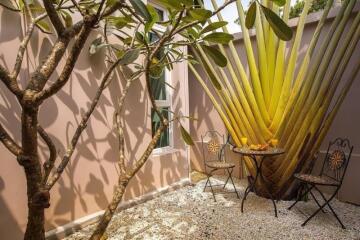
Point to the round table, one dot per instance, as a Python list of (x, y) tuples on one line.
[(258, 158)]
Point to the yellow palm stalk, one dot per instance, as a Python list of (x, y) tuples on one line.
[(275, 100)]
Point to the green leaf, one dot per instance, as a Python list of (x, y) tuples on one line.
[(280, 3), (37, 9), (171, 4), (110, 3), (8, 4), (186, 136), (251, 15), (67, 18), (141, 9), (140, 37), (213, 26), (280, 28), (44, 26), (193, 33), (118, 22), (187, 3), (130, 56), (119, 53), (156, 69), (216, 56), (94, 46), (219, 37), (200, 14), (154, 18)]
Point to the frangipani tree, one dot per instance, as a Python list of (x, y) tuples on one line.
[(125, 28), (283, 97)]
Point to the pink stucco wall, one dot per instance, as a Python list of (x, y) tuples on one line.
[(87, 184)]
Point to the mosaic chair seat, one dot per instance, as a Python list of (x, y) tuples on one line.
[(214, 156), (220, 164), (331, 175), (320, 180)]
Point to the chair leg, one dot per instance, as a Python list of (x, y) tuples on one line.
[(212, 190), (226, 181), (207, 180), (336, 216), (317, 202), (313, 215), (299, 197), (327, 202), (230, 176)]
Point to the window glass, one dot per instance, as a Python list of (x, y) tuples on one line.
[(158, 86), (164, 140), (162, 98), (160, 12)]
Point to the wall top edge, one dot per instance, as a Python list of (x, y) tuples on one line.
[(310, 19)]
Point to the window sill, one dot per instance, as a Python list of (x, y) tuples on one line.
[(163, 151)]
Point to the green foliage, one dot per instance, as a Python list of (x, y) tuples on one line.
[(154, 17), (250, 16), (141, 9), (186, 136), (130, 56), (200, 14), (280, 3), (213, 26), (216, 56), (219, 37), (298, 7), (281, 29)]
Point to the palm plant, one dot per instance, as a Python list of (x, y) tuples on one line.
[(285, 97)]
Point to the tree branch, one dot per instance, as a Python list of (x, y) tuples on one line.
[(197, 22), (21, 51), (81, 127), (44, 70), (112, 9), (48, 164), (9, 82), (119, 125), (9, 143), (54, 17), (138, 164), (69, 65)]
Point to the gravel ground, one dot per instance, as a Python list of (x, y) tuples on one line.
[(190, 213)]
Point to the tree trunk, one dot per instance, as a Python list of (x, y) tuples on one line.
[(38, 199), (107, 216)]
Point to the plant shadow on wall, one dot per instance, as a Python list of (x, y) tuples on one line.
[(51, 116), (73, 191), (7, 216)]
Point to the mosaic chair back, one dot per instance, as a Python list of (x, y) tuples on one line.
[(337, 159), (213, 147), (332, 174)]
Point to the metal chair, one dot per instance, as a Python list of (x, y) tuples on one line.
[(213, 149), (332, 175)]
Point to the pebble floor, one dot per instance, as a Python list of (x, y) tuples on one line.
[(190, 213)]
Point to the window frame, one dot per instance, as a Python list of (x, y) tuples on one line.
[(168, 102), (157, 5)]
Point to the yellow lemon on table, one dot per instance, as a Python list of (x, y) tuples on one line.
[(244, 140), (274, 142)]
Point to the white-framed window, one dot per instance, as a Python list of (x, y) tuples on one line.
[(162, 94), (162, 12)]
